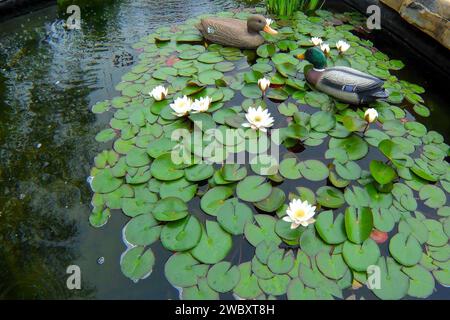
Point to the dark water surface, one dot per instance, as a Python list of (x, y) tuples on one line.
[(49, 79)]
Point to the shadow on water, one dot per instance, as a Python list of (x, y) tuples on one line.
[(49, 78)]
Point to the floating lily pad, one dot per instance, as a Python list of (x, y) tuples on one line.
[(360, 256), (330, 197), (394, 284), (201, 291), (163, 168), (247, 287), (215, 198), (313, 170), (214, 244), (137, 263), (142, 230), (405, 249), (253, 189), (223, 277), (181, 235), (170, 209), (233, 216), (182, 270), (331, 230)]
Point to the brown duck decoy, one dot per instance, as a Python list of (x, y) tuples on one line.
[(235, 32)]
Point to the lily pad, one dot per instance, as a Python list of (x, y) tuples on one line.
[(330, 197), (142, 230), (214, 244), (170, 209), (223, 277), (214, 199), (358, 224), (137, 263), (360, 256), (405, 249), (331, 230), (163, 168), (253, 189), (181, 235), (182, 270), (233, 216)]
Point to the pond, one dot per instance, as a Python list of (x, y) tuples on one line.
[(51, 78)]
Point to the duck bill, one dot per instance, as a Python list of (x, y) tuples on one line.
[(301, 56), (269, 30)]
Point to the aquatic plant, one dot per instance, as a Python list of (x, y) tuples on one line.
[(289, 7), (371, 179)]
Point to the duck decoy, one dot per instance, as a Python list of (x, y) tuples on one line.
[(343, 83), (234, 32)]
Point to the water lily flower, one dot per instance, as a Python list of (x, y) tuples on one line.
[(342, 46), (371, 115), (316, 41), (325, 48), (300, 213), (181, 106), (263, 84), (159, 93), (269, 21), (258, 119), (201, 105)]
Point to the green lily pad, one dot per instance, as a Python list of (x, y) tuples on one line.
[(381, 172), (330, 197), (182, 270), (181, 235), (322, 121), (247, 287), (405, 249), (233, 216), (355, 147), (201, 291), (274, 201), (332, 266), (433, 196), (105, 182), (331, 230), (214, 199), (394, 284), (223, 277), (170, 209), (264, 231), (137, 263), (214, 244), (311, 243), (289, 168), (142, 230), (280, 261), (276, 285), (199, 172), (358, 224), (253, 189), (421, 282), (360, 256), (313, 170), (180, 188), (163, 168)]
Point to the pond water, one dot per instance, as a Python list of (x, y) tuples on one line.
[(49, 80)]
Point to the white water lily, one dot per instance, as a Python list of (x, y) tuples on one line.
[(300, 213), (181, 106), (159, 93), (371, 115), (325, 48), (258, 119), (201, 105), (263, 84), (316, 41), (342, 46), (269, 21)]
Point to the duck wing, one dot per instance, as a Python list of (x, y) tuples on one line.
[(350, 80)]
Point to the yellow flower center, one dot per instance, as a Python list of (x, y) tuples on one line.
[(299, 213), (258, 118)]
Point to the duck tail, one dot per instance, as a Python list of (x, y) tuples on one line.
[(381, 94)]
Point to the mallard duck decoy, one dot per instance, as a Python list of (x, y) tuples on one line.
[(234, 32), (343, 83)]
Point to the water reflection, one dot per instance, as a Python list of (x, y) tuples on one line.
[(49, 79)]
